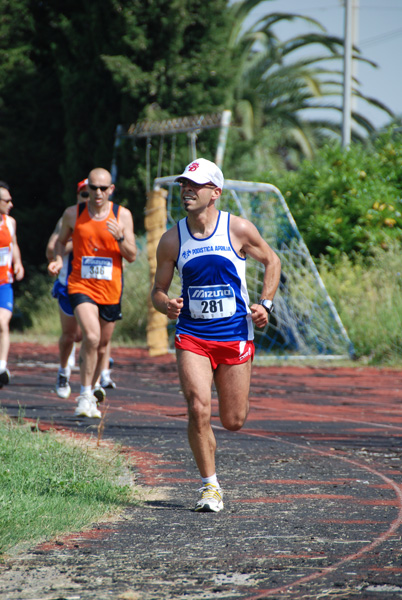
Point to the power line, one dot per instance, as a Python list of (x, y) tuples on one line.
[(337, 6), (383, 36), (381, 7)]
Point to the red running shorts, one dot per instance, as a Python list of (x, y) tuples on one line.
[(226, 353)]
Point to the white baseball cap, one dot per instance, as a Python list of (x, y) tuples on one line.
[(202, 171)]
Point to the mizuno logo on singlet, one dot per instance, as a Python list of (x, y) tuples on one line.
[(210, 293)]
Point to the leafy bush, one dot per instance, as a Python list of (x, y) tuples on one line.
[(368, 295), (348, 201)]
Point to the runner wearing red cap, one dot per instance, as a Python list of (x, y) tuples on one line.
[(71, 332)]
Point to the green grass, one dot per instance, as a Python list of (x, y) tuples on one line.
[(368, 296), (51, 485)]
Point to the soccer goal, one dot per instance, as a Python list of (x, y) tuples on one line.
[(157, 136), (305, 322)]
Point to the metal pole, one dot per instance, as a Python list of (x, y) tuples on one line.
[(355, 43), (193, 144), (347, 76), (223, 134), (117, 140)]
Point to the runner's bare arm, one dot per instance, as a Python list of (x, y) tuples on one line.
[(166, 256), (66, 229), (249, 242), (52, 243), (124, 228), (16, 257)]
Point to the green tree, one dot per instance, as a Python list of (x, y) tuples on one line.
[(30, 126), (70, 72), (276, 84)]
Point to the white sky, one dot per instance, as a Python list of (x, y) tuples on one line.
[(379, 37)]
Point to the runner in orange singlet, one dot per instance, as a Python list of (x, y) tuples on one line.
[(102, 235), (70, 331), (97, 260)]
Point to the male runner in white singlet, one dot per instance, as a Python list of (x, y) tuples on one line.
[(214, 329)]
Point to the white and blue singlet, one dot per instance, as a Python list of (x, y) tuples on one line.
[(214, 289)]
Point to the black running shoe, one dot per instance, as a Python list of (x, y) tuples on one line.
[(4, 377)]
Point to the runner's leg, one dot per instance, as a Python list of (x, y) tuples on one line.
[(106, 332), (5, 318), (87, 315), (69, 335), (233, 386), (106, 380), (195, 374)]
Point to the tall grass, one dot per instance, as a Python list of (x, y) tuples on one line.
[(50, 486), (132, 328), (368, 296)]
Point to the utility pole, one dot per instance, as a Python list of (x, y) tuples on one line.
[(347, 75), (355, 44)]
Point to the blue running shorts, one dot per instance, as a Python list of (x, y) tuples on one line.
[(60, 292), (7, 296)]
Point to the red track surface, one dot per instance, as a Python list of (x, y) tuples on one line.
[(313, 481)]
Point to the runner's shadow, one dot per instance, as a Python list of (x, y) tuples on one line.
[(24, 384), (164, 504)]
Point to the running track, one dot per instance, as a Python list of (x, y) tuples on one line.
[(313, 497)]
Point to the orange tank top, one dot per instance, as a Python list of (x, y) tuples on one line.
[(97, 261), (6, 250)]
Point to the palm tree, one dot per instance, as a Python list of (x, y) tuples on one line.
[(277, 85)]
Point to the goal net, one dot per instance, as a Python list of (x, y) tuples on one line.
[(305, 322)]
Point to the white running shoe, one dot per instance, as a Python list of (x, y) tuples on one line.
[(211, 499), (106, 381), (87, 407), (63, 389)]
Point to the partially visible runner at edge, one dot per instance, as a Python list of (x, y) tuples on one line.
[(102, 235), (214, 328), (10, 268)]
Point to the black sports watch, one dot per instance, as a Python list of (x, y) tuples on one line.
[(268, 305)]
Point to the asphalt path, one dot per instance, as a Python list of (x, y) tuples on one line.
[(312, 488)]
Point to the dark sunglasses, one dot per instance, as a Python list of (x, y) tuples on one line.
[(84, 194), (196, 186), (102, 188)]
